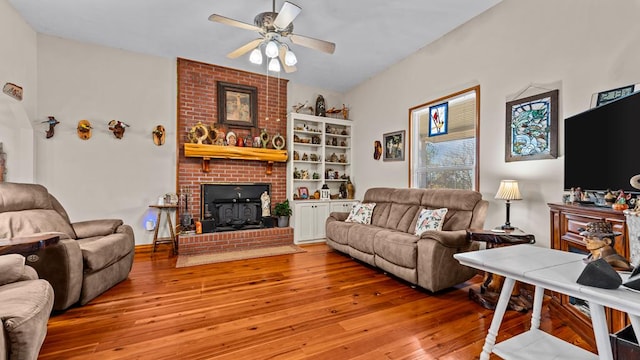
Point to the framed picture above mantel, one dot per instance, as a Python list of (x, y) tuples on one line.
[(237, 105)]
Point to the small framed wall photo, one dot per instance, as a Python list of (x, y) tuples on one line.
[(393, 146), (438, 119), (532, 128), (237, 105)]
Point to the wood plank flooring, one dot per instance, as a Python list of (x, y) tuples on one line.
[(314, 305)]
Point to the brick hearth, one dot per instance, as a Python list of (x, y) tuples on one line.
[(197, 102), (234, 240)]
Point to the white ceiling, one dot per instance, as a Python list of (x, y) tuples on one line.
[(370, 35)]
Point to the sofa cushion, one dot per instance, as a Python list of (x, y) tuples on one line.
[(101, 251), (361, 236), (430, 220), (17, 197), (396, 247), (361, 213), (29, 222)]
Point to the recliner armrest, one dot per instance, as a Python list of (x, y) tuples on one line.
[(338, 216), (90, 228), (451, 239), (62, 266), (13, 269)]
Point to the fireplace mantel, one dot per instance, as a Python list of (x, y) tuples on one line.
[(207, 152)]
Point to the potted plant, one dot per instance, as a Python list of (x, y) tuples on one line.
[(283, 211)]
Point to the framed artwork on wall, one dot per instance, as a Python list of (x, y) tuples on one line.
[(393, 146), (237, 105), (438, 119), (532, 127)]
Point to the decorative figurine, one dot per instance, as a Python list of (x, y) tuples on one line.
[(320, 106), (265, 199), (84, 129), (264, 138), (158, 135), (600, 241), (52, 124), (377, 149), (117, 127)]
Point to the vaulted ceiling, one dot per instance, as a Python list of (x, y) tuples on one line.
[(370, 35)]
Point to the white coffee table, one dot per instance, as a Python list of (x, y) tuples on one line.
[(557, 271)]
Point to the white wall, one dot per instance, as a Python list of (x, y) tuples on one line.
[(17, 66), (579, 48), (300, 94), (105, 177)]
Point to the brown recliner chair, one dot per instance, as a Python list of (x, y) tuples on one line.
[(91, 257), (25, 306)]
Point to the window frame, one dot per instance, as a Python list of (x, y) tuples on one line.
[(414, 133)]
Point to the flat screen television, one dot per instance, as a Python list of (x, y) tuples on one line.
[(601, 146)]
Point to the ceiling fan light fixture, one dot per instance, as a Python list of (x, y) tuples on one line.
[(271, 50), (290, 58), (274, 65), (256, 57)]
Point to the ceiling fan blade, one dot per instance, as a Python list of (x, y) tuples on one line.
[(287, 68), (321, 45), (227, 21), (244, 49), (286, 15)]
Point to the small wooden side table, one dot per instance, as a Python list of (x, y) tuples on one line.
[(490, 289), (165, 240), (27, 245)]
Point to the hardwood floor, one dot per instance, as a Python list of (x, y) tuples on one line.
[(314, 305)]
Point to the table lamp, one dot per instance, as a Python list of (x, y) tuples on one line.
[(508, 191)]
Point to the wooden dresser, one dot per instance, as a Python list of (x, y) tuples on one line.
[(565, 221)]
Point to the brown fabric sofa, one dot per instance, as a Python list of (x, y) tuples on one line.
[(389, 242), (91, 257), (25, 306)]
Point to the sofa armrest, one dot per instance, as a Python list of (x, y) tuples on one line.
[(451, 239), (338, 216), (62, 266), (90, 228)]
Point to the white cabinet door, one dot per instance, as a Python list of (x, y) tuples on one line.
[(309, 220)]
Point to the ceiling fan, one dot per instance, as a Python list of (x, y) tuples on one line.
[(274, 27)]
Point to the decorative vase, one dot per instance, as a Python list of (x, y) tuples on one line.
[(350, 189)]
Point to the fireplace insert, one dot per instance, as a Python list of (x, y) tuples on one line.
[(232, 207)]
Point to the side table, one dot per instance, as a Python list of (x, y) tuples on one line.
[(166, 209), (27, 245), (489, 291)]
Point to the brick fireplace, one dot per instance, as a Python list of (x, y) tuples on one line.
[(197, 102)]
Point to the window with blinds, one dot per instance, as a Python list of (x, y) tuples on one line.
[(444, 142)]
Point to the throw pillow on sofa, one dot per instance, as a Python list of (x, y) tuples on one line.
[(430, 220), (361, 213)]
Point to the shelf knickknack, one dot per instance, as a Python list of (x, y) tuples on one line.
[(207, 152)]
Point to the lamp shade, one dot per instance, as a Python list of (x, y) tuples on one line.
[(274, 65), (508, 190), (271, 50), (256, 57)]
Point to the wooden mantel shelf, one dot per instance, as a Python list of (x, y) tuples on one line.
[(207, 152)]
